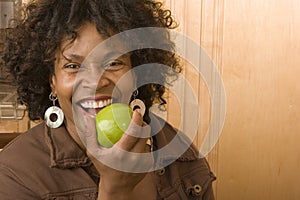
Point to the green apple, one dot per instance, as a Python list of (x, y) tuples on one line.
[(111, 123)]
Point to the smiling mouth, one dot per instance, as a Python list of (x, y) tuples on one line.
[(92, 107)]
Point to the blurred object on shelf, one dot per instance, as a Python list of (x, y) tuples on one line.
[(9, 106)]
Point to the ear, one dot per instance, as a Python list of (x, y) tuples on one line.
[(52, 81)]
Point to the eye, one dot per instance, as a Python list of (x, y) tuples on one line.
[(71, 67), (113, 65)]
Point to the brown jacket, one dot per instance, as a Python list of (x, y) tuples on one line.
[(47, 164)]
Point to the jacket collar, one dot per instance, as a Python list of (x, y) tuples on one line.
[(64, 151)]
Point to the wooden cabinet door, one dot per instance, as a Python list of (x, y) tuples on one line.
[(255, 45)]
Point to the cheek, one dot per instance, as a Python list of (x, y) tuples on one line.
[(64, 93), (64, 89), (124, 86), (125, 81)]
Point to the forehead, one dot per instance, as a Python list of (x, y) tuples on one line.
[(87, 38), (91, 46)]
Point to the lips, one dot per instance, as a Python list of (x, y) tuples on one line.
[(93, 106)]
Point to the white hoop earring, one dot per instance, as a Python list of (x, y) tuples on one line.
[(137, 103), (54, 116)]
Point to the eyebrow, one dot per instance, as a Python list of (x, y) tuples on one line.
[(108, 55), (74, 57)]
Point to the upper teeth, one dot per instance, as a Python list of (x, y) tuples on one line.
[(96, 104)]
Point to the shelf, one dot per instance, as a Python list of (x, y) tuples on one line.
[(9, 108)]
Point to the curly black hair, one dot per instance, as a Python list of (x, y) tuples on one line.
[(31, 45)]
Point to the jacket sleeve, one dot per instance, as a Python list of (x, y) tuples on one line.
[(12, 187), (209, 194)]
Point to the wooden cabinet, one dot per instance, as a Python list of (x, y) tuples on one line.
[(256, 46)]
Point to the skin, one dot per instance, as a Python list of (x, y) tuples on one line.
[(72, 90)]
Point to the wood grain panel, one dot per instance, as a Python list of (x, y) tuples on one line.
[(255, 44), (259, 149)]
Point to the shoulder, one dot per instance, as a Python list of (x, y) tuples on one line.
[(192, 168), (20, 160), (25, 147), (190, 162), (33, 135), (189, 174), (176, 144)]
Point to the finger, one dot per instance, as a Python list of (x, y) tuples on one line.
[(138, 131), (143, 137), (140, 146), (137, 117), (130, 137)]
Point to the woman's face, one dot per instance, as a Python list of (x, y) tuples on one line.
[(85, 84)]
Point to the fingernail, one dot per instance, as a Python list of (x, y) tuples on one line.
[(138, 110)]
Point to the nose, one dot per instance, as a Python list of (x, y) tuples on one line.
[(94, 77), (96, 81), (103, 81)]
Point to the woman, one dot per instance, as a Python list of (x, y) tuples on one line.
[(51, 54)]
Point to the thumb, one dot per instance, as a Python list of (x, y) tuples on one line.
[(137, 117)]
